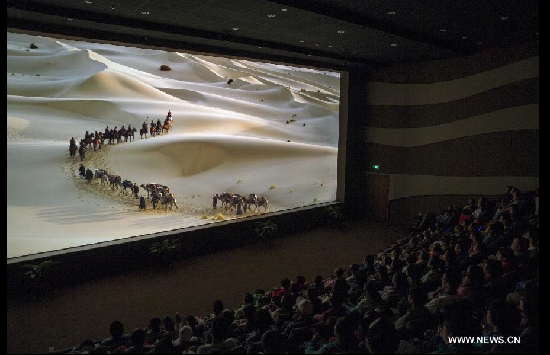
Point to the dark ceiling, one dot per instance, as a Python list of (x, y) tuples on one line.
[(326, 33)]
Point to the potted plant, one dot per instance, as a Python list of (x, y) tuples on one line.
[(165, 252), (266, 230)]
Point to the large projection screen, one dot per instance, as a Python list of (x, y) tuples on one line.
[(237, 126)]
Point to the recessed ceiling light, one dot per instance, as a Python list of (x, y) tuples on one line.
[(284, 10), (316, 44), (394, 44), (479, 43), (113, 7), (87, 2), (330, 46), (302, 41), (69, 19), (271, 15), (442, 30), (391, 12), (341, 31), (145, 12), (235, 28), (504, 18), (309, 55), (464, 37)]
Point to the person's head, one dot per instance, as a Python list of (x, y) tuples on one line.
[(504, 317), (382, 337), (339, 273), (434, 263), (396, 252), (249, 312), (475, 276), (475, 236), (410, 259), (318, 280), (300, 280), (424, 257), (505, 254), (369, 260), (287, 302), (458, 249), (382, 272), (451, 279), (519, 245), (185, 333), (462, 326), (415, 272), (219, 329), (418, 297), (371, 290), (345, 329), (340, 286), (533, 237), (192, 321), (492, 269), (138, 337), (285, 283), (116, 329), (305, 307), (164, 346), (274, 342), (295, 288), (480, 248), (154, 324), (263, 319), (169, 324), (400, 282), (218, 307), (529, 304), (228, 315), (248, 298)]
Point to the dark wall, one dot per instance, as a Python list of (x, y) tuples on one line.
[(445, 130), (356, 159)]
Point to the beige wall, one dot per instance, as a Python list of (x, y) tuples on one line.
[(446, 130)]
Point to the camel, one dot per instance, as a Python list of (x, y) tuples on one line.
[(115, 181), (152, 187), (261, 201), (127, 184), (167, 199)]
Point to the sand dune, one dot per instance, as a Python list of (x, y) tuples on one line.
[(225, 137)]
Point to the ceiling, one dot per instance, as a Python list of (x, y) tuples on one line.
[(324, 33)]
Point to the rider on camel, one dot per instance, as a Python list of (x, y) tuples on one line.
[(72, 142)]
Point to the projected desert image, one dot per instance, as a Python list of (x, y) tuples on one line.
[(263, 137)]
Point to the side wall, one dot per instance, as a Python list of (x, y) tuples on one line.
[(448, 130)]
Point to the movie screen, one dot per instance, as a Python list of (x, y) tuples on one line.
[(107, 142)]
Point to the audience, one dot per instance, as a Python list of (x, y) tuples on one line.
[(459, 273)]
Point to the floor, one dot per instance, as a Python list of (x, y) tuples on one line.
[(190, 287)]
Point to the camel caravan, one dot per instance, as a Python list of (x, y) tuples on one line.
[(241, 204), (157, 192), (114, 135)]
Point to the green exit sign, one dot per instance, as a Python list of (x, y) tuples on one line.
[(376, 166)]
